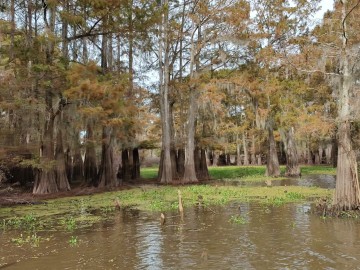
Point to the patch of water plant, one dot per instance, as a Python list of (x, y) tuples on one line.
[(28, 222), (69, 223), (237, 219), (33, 240), (73, 241)]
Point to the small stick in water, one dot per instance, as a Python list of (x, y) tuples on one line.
[(162, 219), (181, 208)]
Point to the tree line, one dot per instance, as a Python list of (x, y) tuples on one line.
[(86, 84)]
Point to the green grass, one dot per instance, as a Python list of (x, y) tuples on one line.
[(151, 198), (72, 213), (147, 173), (245, 173), (317, 169)]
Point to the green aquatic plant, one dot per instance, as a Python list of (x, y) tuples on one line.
[(33, 240), (73, 241), (69, 223), (237, 219)]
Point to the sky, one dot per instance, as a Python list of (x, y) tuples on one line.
[(325, 6)]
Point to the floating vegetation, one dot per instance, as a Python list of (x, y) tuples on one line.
[(237, 219), (73, 241)]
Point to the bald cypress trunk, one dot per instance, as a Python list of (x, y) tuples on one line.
[(292, 159), (272, 165), (61, 176), (107, 175), (90, 166), (347, 191)]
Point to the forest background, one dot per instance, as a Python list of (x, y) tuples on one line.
[(264, 81)]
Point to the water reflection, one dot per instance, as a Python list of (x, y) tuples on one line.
[(322, 181), (285, 237)]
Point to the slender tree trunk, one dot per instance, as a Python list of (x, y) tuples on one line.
[(347, 191), (238, 149), (272, 165), (253, 150), (78, 165), (90, 164), (215, 159), (246, 152), (165, 176)]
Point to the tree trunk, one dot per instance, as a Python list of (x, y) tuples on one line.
[(90, 166), (238, 149), (136, 164), (334, 152), (78, 166), (190, 173), (292, 160), (107, 176), (253, 150), (203, 172), (45, 181), (246, 152), (272, 165), (347, 191), (328, 152), (180, 163), (61, 176), (126, 169), (215, 159), (165, 176)]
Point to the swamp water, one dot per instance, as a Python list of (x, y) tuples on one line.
[(236, 236)]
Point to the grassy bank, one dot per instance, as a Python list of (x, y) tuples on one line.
[(72, 212), (89, 209), (245, 173)]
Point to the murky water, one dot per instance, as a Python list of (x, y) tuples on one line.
[(321, 180), (285, 237)]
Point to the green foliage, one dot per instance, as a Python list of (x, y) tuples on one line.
[(33, 240), (69, 223), (73, 241), (238, 220)]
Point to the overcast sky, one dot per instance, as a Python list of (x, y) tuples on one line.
[(325, 5)]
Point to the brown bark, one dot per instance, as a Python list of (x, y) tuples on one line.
[(60, 171), (203, 172), (246, 152), (253, 150), (238, 153), (165, 175), (136, 164), (90, 164), (180, 162), (107, 176), (292, 160), (126, 168), (190, 170), (45, 180), (78, 166), (272, 165)]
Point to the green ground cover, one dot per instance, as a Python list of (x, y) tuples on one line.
[(245, 173), (81, 211)]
